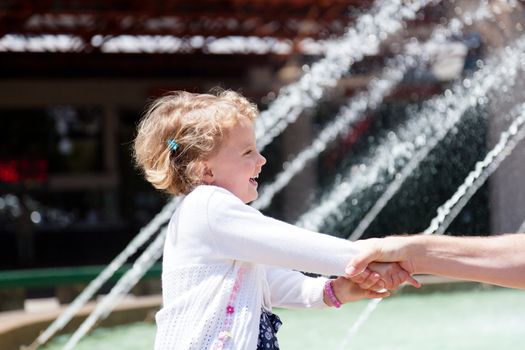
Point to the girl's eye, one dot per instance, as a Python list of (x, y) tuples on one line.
[(248, 152)]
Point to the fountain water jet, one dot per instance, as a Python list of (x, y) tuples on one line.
[(454, 102), (145, 233), (398, 181), (377, 89), (385, 18), (152, 253), (522, 227), (483, 169), (508, 141), (345, 119)]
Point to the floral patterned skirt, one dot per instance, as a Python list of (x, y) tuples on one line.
[(268, 327)]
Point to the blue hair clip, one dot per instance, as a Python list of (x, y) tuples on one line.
[(172, 144)]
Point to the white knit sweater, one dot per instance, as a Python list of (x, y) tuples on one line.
[(210, 237)]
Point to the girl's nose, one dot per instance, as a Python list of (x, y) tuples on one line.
[(262, 160)]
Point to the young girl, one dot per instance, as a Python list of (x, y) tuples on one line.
[(225, 264)]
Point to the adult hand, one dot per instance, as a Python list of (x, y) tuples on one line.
[(392, 275), (389, 249)]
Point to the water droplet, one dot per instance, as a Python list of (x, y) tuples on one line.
[(36, 217), (468, 20)]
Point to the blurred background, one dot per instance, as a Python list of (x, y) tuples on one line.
[(76, 76)]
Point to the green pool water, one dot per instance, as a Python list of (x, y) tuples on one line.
[(478, 318)]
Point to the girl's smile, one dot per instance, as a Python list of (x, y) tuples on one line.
[(253, 180), (237, 163)]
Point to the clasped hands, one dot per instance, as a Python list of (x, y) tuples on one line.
[(368, 279)]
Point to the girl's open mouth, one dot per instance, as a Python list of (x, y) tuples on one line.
[(253, 180)]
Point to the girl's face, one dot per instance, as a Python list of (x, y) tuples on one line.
[(237, 163)]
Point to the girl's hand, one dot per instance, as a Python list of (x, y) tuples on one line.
[(346, 290), (392, 274)]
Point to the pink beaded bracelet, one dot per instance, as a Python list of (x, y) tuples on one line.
[(328, 288)]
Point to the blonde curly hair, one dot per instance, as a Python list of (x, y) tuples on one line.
[(197, 123)]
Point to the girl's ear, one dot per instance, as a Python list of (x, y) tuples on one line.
[(207, 174)]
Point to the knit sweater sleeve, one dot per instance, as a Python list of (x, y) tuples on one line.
[(292, 289), (238, 231)]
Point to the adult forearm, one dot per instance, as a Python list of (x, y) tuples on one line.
[(497, 260)]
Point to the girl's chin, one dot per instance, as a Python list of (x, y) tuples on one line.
[(251, 198)]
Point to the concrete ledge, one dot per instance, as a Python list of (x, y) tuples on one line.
[(20, 328)]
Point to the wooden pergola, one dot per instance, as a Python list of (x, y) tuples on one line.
[(91, 24), (283, 19)]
